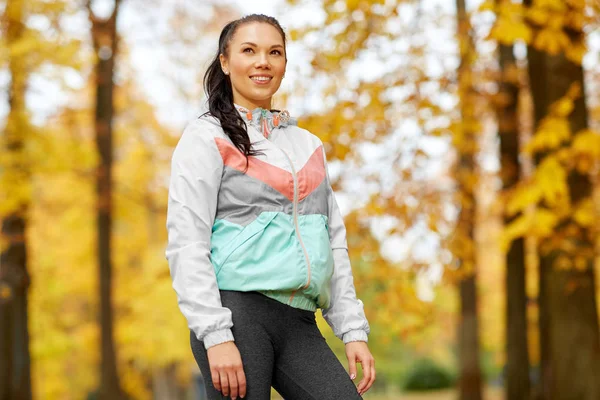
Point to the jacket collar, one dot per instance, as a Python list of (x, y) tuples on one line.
[(266, 120)]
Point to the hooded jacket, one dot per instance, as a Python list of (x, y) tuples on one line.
[(271, 226)]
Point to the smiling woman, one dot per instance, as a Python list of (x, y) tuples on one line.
[(255, 64), (256, 240)]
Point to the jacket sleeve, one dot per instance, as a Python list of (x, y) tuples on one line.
[(345, 314), (196, 168)]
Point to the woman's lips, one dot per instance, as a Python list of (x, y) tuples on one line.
[(261, 80)]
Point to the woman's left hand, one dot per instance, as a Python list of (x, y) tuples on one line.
[(358, 352)]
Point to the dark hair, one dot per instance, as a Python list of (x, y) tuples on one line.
[(218, 85)]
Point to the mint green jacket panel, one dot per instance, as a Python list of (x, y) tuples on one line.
[(265, 255)]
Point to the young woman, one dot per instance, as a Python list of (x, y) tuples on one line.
[(256, 240)]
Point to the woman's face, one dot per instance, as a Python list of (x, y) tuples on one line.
[(255, 64)]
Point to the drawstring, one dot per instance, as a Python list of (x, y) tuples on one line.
[(265, 125)]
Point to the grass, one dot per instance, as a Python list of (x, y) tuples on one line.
[(490, 393)]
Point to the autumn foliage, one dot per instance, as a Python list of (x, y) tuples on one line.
[(412, 109)]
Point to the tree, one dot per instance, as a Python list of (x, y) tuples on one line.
[(517, 356), (568, 315), (465, 141), (104, 37), (564, 150), (15, 374)]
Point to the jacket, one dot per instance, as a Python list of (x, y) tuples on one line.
[(273, 227)]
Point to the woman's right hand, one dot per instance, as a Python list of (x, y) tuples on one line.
[(227, 370)]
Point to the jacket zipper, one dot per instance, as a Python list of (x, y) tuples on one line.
[(295, 214)]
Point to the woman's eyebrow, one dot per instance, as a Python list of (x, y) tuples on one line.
[(255, 45)]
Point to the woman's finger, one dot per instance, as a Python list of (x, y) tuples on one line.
[(224, 383), (372, 376), (366, 369), (233, 383), (352, 366), (241, 379), (216, 379)]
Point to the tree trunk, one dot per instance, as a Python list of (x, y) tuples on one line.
[(15, 360), (569, 333), (517, 357), (104, 36), (470, 372)]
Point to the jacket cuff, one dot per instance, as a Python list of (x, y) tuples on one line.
[(355, 336), (218, 337)]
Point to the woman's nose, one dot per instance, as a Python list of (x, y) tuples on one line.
[(262, 61)]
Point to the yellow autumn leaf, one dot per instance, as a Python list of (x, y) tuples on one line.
[(525, 196), (586, 150), (551, 41), (576, 20), (577, 4), (574, 90), (556, 22), (516, 229), (557, 5), (538, 15), (564, 155), (576, 52), (540, 224), (587, 142), (551, 178), (585, 213), (563, 107), (27, 44), (543, 223), (584, 164), (550, 135), (487, 5), (507, 31)]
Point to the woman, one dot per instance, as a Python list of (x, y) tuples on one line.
[(256, 239)]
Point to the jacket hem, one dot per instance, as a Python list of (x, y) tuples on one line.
[(298, 299)]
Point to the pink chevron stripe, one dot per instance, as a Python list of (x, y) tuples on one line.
[(279, 179), (309, 177)]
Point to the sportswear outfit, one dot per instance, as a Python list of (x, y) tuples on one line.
[(255, 248)]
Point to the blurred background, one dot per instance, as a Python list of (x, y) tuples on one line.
[(463, 138)]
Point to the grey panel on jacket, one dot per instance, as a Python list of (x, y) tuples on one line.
[(242, 198), (316, 202)]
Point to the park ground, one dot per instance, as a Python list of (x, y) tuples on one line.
[(491, 393)]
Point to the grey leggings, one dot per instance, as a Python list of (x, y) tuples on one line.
[(281, 346)]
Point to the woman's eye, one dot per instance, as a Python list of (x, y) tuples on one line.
[(247, 49), (276, 52)]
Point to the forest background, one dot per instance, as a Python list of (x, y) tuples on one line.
[(463, 138)]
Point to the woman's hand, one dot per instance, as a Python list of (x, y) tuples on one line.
[(358, 352), (227, 370)]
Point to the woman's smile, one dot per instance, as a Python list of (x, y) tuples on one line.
[(261, 79)]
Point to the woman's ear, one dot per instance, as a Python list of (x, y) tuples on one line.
[(224, 64)]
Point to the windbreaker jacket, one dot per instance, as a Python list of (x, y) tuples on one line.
[(271, 226)]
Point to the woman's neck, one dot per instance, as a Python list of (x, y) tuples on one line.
[(250, 105)]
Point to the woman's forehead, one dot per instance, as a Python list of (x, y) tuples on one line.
[(257, 33)]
